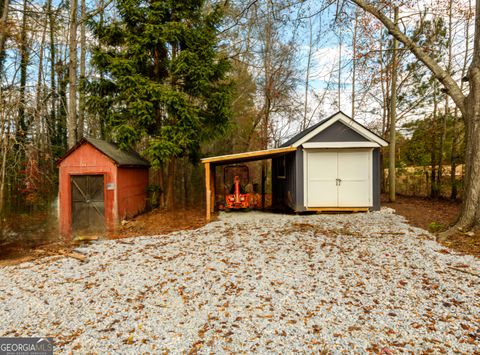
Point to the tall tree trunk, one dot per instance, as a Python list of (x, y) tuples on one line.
[(433, 151), (52, 131), (354, 62), (5, 146), (170, 198), (307, 76), (393, 119), (441, 148), (61, 123), (72, 76), (3, 33), (83, 52), (21, 131), (470, 216), (38, 95), (186, 192), (453, 153), (384, 88), (161, 182), (447, 108), (103, 125), (339, 86), (453, 158)]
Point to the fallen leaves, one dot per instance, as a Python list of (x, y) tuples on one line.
[(279, 283)]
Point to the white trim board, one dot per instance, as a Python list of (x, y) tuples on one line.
[(349, 123), (341, 145)]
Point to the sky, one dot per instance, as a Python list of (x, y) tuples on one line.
[(326, 56), (325, 59)]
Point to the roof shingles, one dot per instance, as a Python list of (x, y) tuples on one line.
[(120, 157)]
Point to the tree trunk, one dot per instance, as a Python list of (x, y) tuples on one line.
[(307, 76), (339, 86), (53, 91), (186, 194), (453, 159), (72, 76), (170, 198), (470, 215), (83, 52), (38, 98), (393, 120), (354, 62), (441, 149), (61, 122), (433, 151), (161, 183), (5, 143), (3, 33), (447, 108), (453, 153), (21, 129)]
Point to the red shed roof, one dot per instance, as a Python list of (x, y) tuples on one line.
[(121, 158)]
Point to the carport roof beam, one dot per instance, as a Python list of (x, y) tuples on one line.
[(248, 156)]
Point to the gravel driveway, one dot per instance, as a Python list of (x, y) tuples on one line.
[(254, 282)]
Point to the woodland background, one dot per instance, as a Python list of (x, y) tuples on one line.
[(178, 81)]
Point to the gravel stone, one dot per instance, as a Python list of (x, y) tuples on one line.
[(253, 282)]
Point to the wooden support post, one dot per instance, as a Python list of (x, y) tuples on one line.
[(208, 192), (264, 179), (212, 187)]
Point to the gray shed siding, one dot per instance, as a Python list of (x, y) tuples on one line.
[(376, 179), (289, 191), (299, 185), (338, 132), (284, 188)]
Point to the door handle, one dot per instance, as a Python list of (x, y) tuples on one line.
[(338, 182)]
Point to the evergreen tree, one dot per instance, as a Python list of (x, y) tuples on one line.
[(164, 77)]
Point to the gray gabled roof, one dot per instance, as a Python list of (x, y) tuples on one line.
[(120, 157), (303, 133)]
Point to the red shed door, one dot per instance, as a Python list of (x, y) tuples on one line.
[(88, 208)]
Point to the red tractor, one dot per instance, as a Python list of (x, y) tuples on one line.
[(236, 197)]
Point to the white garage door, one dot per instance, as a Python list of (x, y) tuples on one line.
[(338, 178)]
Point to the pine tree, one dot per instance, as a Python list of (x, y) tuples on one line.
[(163, 76)]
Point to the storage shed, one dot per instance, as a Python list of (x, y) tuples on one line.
[(333, 165), (99, 185)]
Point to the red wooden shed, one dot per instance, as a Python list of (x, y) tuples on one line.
[(99, 185)]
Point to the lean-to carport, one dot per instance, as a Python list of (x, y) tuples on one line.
[(212, 162)]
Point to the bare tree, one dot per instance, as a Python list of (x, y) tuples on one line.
[(72, 76), (393, 118), (83, 53), (307, 74), (354, 61), (3, 32), (455, 139), (21, 128), (468, 104)]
